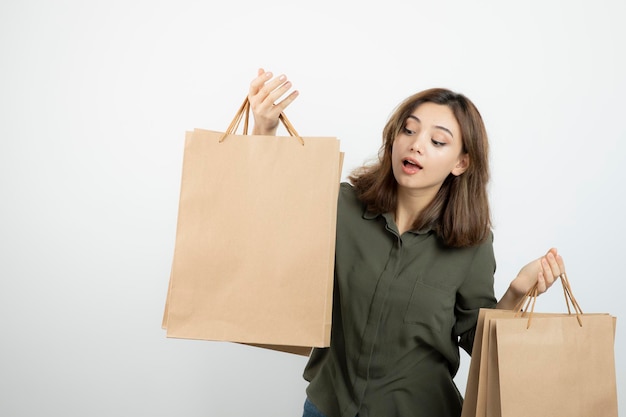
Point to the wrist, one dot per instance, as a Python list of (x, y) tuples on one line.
[(265, 132), (516, 291), (510, 298)]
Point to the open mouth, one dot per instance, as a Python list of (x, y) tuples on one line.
[(410, 163)]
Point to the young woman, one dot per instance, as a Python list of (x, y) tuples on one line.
[(414, 260)]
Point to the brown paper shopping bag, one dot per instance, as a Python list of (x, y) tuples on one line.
[(255, 239), (475, 400), (557, 367), (543, 364)]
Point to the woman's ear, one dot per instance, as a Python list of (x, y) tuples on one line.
[(461, 165)]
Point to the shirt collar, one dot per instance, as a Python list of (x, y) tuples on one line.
[(391, 224)]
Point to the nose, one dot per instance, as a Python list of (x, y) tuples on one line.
[(420, 141), (416, 146)]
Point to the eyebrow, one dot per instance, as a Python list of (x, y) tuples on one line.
[(445, 129)]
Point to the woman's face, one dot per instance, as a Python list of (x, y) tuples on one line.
[(427, 150)]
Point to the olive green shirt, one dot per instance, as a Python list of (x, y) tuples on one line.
[(402, 306)]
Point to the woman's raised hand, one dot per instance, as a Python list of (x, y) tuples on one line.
[(264, 95)]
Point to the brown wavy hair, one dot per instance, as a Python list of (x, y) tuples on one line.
[(459, 213)]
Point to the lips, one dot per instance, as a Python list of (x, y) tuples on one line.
[(410, 166)]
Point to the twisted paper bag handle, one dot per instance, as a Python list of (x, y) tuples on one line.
[(530, 298)]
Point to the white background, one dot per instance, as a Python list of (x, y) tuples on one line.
[(95, 97)]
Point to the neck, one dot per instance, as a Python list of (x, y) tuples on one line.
[(409, 206)]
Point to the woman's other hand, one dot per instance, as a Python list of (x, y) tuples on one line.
[(264, 95), (542, 271)]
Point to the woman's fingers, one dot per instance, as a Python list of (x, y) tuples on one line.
[(541, 283), (256, 93), (265, 89), (552, 266), (546, 274), (272, 92), (555, 263)]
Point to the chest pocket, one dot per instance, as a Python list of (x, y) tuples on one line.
[(431, 305)]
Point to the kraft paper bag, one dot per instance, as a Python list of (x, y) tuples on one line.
[(542, 364), (255, 240), (474, 403), (556, 367)]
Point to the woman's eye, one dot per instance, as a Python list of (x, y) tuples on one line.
[(437, 143), (408, 131)]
